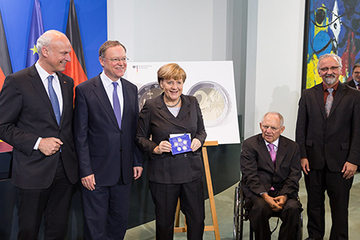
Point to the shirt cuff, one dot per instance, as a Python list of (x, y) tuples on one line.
[(36, 147)]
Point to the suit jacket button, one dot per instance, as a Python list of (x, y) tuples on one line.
[(185, 155)]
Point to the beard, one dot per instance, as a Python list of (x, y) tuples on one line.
[(330, 79)]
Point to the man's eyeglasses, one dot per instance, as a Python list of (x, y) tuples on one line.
[(325, 69), (116, 60), (271, 128)]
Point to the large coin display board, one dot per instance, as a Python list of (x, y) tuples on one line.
[(212, 83)]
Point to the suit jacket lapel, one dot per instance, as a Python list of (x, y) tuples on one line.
[(100, 93), (65, 96), (319, 95), (166, 114), (280, 152), (265, 152), (127, 96), (39, 87), (338, 96)]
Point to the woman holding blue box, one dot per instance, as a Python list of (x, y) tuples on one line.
[(174, 170)]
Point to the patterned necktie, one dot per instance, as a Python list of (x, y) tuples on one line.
[(358, 87), (272, 152), (53, 99), (116, 104), (329, 101)]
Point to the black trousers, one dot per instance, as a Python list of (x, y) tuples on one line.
[(338, 190), (165, 197), (53, 203), (261, 212)]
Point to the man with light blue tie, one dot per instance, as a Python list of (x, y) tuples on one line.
[(36, 115), (270, 167), (105, 121)]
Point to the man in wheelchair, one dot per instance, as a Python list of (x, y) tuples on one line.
[(271, 170)]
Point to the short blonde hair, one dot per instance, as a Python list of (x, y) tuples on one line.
[(171, 71)]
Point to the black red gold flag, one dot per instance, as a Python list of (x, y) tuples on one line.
[(75, 69)]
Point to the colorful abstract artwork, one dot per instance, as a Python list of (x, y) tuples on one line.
[(331, 26)]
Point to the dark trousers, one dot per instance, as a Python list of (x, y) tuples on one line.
[(53, 202), (261, 212), (165, 197), (338, 189), (106, 211)]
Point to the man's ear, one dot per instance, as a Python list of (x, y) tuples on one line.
[(45, 52)]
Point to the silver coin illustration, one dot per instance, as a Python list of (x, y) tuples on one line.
[(214, 102), (148, 91)]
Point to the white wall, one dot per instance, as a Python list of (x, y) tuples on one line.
[(201, 30), (274, 61), (163, 30)]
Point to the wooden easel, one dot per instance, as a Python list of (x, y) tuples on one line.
[(215, 226)]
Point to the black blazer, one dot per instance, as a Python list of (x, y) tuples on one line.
[(333, 140), (350, 84), (155, 120), (102, 148), (259, 173), (26, 114)]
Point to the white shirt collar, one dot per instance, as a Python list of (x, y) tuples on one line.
[(107, 81), (276, 143), (42, 73)]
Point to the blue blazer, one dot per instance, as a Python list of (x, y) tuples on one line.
[(102, 148)]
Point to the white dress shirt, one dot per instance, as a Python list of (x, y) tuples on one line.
[(109, 88)]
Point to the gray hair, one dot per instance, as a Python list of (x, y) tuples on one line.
[(274, 113), (45, 39), (334, 56)]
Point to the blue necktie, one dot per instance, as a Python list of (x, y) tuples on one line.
[(329, 101), (54, 100), (116, 104)]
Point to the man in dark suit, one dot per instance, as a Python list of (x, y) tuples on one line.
[(270, 166), (44, 166), (355, 82), (105, 120), (328, 133)]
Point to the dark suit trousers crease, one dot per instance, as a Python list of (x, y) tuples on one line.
[(106, 211), (261, 212), (165, 197), (53, 202), (338, 189)]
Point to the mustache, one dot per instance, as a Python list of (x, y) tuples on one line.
[(329, 75)]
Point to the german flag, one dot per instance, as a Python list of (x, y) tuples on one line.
[(5, 69), (5, 63), (75, 69)]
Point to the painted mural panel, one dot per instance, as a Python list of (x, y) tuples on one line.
[(331, 26)]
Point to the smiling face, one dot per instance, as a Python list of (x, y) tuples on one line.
[(172, 90), (56, 54), (329, 71), (113, 63), (271, 127), (356, 74)]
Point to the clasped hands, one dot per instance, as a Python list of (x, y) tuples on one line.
[(277, 203), (165, 146)]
